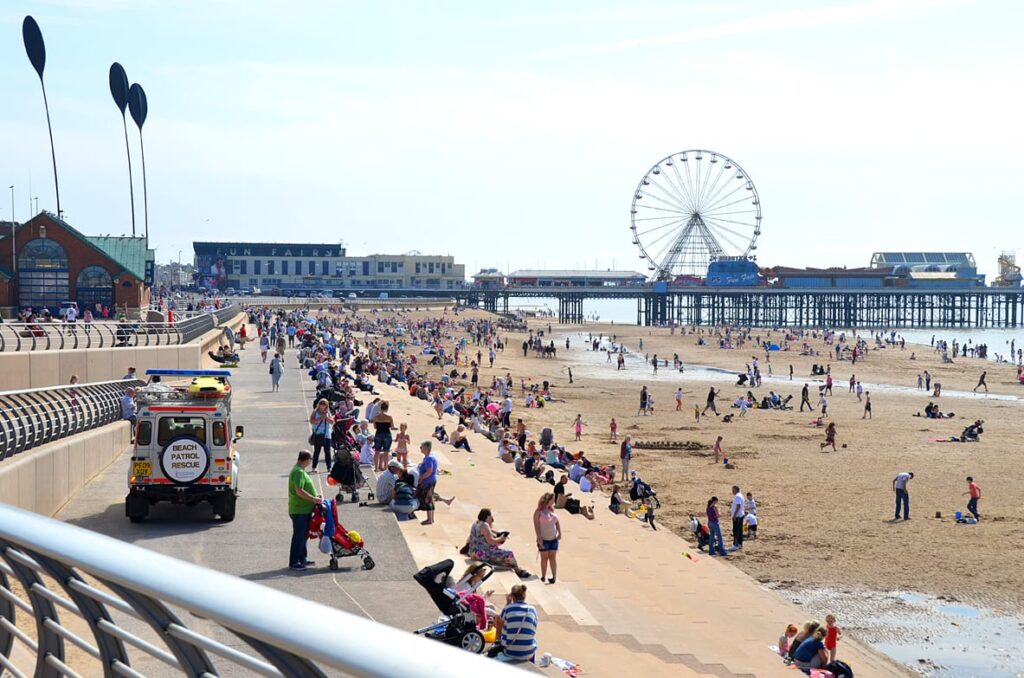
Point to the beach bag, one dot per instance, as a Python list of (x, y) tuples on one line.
[(839, 669)]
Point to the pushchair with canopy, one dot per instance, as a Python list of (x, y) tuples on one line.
[(457, 625)]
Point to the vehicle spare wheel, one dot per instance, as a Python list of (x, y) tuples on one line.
[(185, 460)]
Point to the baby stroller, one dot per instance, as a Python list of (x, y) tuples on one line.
[(341, 434), (700, 532), (457, 624), (643, 494), (343, 543), (347, 476)]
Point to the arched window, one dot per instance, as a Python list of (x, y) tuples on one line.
[(94, 287), (43, 253), (94, 276), (42, 274)]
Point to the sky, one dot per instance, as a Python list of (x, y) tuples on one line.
[(512, 135)]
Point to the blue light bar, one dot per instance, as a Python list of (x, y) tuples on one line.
[(189, 373)]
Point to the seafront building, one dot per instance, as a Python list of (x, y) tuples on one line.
[(50, 263), (288, 268)]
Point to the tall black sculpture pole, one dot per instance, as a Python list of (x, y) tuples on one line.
[(138, 107), (36, 50), (119, 90)]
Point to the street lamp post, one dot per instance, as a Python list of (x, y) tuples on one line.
[(14, 249)]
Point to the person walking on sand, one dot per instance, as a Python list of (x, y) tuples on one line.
[(981, 382), (860, 392), (823, 404), (899, 486), (830, 437), (643, 401), (853, 382), (718, 449), (578, 426), (828, 384), (679, 399), (975, 493), (712, 394), (805, 393), (613, 428), (927, 380), (867, 405)]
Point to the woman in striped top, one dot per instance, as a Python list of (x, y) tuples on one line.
[(517, 628)]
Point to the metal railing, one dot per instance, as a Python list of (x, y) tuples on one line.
[(34, 417), (90, 604), (53, 336)]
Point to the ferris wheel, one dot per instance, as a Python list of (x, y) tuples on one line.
[(692, 208)]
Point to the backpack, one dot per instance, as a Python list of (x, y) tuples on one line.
[(839, 669)]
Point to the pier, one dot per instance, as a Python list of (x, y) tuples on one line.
[(767, 307)]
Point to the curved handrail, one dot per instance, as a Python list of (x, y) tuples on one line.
[(53, 336), (33, 417), (56, 564)]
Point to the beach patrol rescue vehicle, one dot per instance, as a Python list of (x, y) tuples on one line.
[(184, 452)]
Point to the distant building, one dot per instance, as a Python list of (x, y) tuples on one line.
[(296, 267), (489, 279), (845, 278), (54, 263), (931, 269), (557, 278)]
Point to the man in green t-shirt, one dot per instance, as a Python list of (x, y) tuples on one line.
[(302, 498)]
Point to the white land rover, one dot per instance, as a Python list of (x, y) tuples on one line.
[(183, 451)]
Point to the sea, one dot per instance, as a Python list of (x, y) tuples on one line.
[(623, 311)]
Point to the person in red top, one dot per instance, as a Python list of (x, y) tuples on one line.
[(975, 492), (832, 636)]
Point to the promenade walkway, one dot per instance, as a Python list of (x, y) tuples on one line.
[(255, 545), (627, 599)]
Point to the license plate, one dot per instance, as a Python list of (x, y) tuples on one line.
[(142, 468)]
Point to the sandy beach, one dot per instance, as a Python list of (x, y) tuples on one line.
[(826, 518), (827, 538)]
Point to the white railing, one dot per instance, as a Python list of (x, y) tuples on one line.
[(74, 602), (57, 335)]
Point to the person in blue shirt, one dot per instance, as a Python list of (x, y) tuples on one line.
[(811, 653), (129, 410), (427, 481), (517, 628)]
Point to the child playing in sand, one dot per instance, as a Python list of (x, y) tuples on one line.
[(679, 399), (402, 445), (832, 635), (696, 413), (578, 426), (614, 428)]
